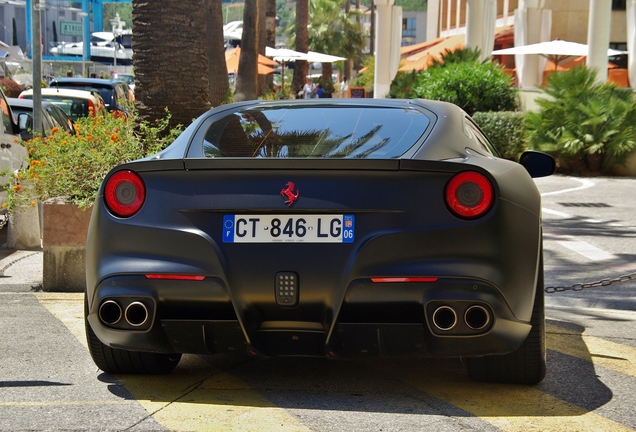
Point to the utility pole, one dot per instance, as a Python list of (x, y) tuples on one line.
[(36, 49)]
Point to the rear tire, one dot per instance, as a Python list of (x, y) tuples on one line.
[(119, 361), (526, 365)]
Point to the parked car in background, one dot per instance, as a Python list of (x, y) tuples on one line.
[(116, 94), (75, 103), (128, 78), (12, 154), (52, 117)]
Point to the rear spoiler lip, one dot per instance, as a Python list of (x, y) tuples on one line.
[(320, 164)]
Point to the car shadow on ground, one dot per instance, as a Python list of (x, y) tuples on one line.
[(406, 386)]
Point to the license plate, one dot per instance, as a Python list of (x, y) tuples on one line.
[(288, 229)]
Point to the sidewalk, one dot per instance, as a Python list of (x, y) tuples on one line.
[(20, 270)]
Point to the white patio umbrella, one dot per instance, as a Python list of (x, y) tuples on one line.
[(316, 57), (556, 51), (284, 55)]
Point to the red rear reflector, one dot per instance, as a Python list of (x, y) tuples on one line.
[(404, 279), (175, 277), (469, 194)]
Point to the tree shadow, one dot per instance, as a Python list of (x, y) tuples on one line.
[(403, 386)]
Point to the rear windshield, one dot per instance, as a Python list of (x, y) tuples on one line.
[(73, 107), (105, 92), (315, 132)]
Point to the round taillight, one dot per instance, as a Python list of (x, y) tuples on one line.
[(469, 194), (124, 193)]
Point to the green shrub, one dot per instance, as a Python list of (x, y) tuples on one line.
[(472, 86), (460, 55), (588, 127), (505, 129)]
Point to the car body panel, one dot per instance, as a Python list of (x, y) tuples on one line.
[(51, 114), (115, 93), (13, 155), (75, 103)]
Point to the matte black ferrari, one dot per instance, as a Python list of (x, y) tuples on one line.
[(337, 228)]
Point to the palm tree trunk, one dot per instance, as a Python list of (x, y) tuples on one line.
[(246, 84), (167, 75), (347, 63), (262, 43), (219, 86), (270, 32), (302, 44)]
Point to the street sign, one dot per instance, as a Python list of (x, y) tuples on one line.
[(71, 28)]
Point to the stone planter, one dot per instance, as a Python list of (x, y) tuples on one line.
[(24, 228), (64, 246)]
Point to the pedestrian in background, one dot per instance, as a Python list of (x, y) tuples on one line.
[(320, 91), (308, 89), (344, 87)]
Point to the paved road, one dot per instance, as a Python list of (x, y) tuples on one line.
[(48, 382)]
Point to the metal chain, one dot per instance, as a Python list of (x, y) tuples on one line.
[(582, 286)]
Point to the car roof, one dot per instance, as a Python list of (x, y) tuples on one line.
[(95, 82), (63, 91), (26, 103)]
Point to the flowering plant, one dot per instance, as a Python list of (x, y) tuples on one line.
[(73, 166)]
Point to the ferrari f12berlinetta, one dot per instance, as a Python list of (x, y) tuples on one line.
[(325, 227)]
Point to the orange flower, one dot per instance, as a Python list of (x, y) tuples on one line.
[(114, 137), (33, 203), (17, 187), (55, 129), (4, 205)]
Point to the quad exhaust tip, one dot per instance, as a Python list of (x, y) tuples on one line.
[(136, 314), (445, 318), (111, 313), (477, 317)]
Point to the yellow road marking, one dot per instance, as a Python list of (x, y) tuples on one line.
[(196, 396), (601, 352), (508, 407), (199, 396)]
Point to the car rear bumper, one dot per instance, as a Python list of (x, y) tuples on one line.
[(371, 319)]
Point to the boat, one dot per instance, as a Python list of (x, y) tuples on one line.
[(114, 47)]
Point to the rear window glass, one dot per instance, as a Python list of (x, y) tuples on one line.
[(315, 132), (73, 107), (105, 92)]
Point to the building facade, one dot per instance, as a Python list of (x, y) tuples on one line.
[(61, 22), (569, 18)]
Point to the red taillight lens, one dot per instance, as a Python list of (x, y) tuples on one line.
[(469, 194), (124, 193)]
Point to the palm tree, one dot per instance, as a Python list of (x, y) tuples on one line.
[(219, 85), (333, 31), (302, 44), (167, 75), (246, 77)]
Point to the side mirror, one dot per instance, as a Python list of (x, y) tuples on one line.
[(538, 164), (25, 126)]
